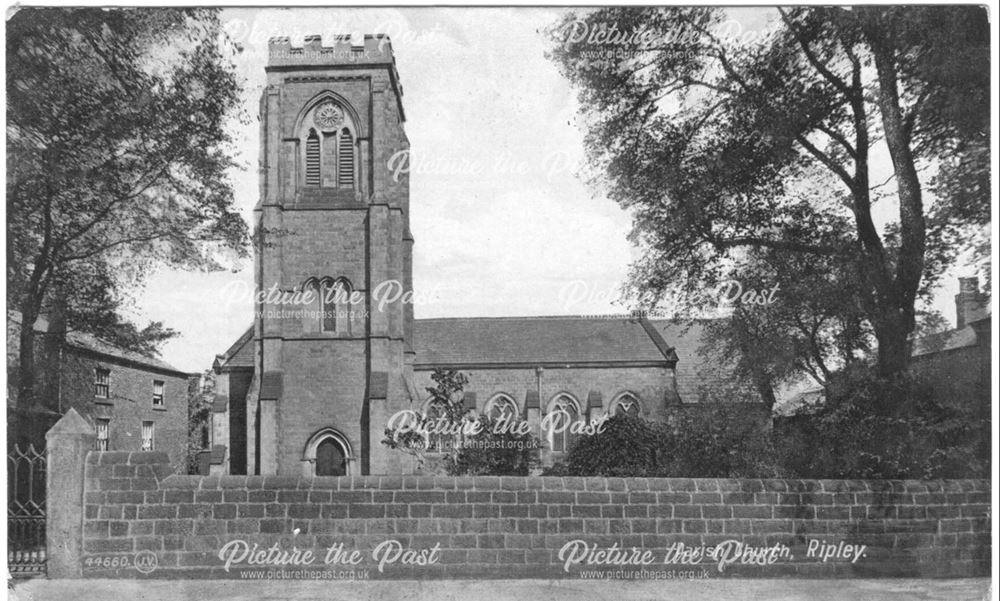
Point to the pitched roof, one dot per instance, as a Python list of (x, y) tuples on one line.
[(944, 341), (93, 344), (695, 373), (535, 340), (570, 339), (506, 341), (240, 354), (952, 339)]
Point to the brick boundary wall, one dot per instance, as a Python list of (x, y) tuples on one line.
[(514, 527)]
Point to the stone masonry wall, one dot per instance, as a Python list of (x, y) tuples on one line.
[(518, 527)]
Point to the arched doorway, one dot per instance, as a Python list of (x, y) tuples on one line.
[(330, 459), (328, 453)]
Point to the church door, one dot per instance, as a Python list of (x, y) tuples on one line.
[(330, 460)]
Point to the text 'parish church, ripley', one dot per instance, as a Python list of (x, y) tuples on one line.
[(309, 390)]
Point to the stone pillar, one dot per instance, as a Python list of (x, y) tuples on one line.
[(268, 437), (67, 445)]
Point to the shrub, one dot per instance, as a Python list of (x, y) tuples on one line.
[(697, 442), (717, 440), (874, 427), (490, 452), (627, 446)]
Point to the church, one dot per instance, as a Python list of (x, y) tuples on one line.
[(310, 386)]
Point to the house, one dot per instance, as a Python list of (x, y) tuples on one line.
[(958, 360), (134, 401)]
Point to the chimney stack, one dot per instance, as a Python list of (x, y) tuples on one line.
[(968, 301)]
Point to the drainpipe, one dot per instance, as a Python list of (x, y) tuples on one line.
[(538, 383)]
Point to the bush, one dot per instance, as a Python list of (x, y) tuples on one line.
[(697, 442), (492, 453), (872, 427), (716, 440), (626, 447)]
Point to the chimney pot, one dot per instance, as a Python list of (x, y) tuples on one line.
[(968, 284), (967, 301)]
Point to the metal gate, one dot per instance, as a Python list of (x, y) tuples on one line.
[(25, 511)]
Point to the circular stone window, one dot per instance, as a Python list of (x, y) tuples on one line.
[(328, 116)]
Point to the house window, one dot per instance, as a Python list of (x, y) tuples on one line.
[(103, 434), (102, 383), (158, 393), (147, 436)]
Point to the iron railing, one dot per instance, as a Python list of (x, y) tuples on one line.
[(25, 511)]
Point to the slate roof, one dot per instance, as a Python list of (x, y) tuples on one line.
[(694, 373), (479, 341), (507, 340), (951, 339), (91, 343), (944, 341), (240, 354)]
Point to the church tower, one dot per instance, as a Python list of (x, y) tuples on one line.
[(332, 337)]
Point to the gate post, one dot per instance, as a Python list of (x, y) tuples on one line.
[(67, 445)]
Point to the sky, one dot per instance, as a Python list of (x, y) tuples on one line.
[(503, 222)]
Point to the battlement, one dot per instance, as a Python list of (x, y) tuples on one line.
[(344, 50)]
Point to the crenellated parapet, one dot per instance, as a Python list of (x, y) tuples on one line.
[(340, 50)]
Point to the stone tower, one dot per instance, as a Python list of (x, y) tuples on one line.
[(333, 365)]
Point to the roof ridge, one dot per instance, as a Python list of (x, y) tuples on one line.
[(235, 346), (595, 317)]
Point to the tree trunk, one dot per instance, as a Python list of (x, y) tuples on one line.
[(765, 389), (26, 357), (897, 317), (892, 331)]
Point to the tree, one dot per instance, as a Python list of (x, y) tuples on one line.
[(467, 444), (201, 394), (446, 412), (812, 324), (118, 154), (713, 145)]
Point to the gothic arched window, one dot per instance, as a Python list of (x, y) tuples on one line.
[(566, 411), (330, 157), (311, 310), (501, 405), (329, 300), (626, 404), (335, 305)]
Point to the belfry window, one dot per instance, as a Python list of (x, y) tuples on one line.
[(312, 159), (329, 151), (345, 159)]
